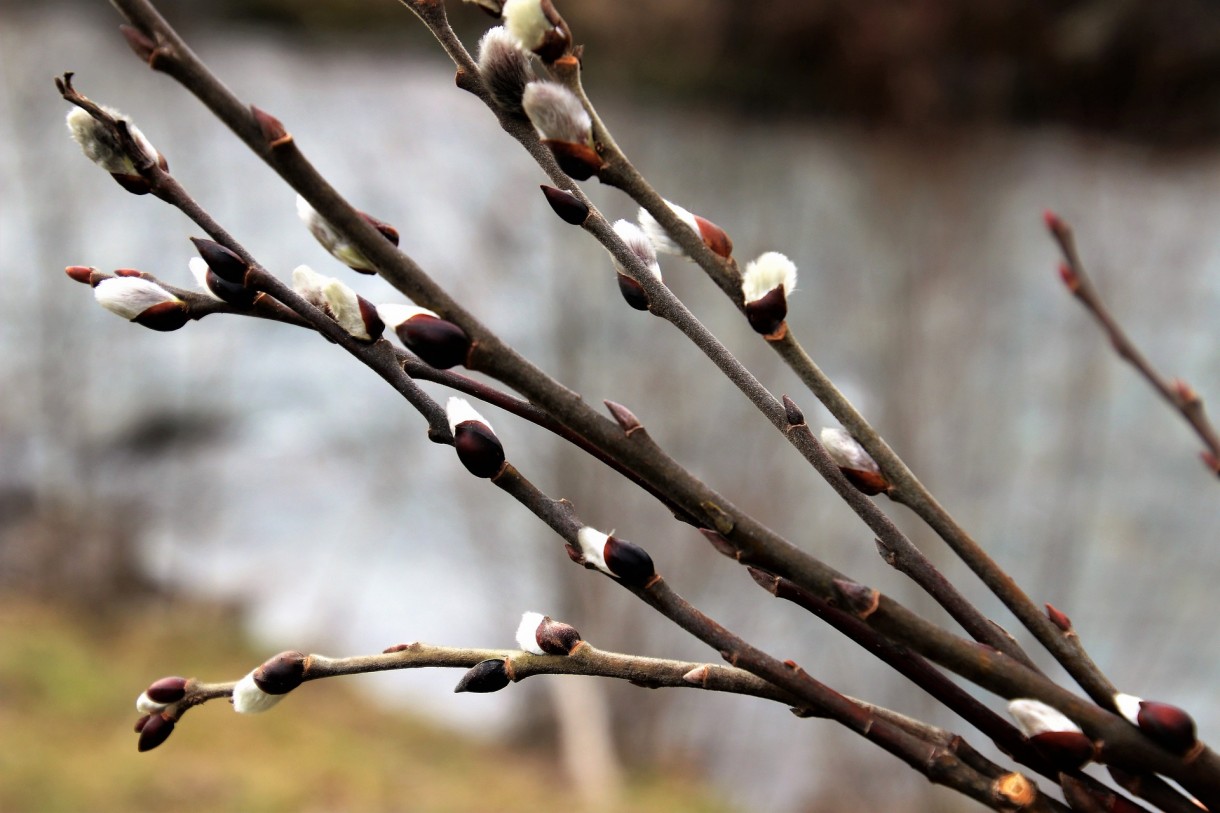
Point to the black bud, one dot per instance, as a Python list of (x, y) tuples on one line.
[(570, 208), (439, 342), (633, 292), (629, 562), (484, 677), (223, 262), (768, 313), (164, 316), (478, 448)]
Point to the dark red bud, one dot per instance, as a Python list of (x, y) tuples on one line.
[(792, 413), (570, 208), (629, 562), (143, 721), (633, 292), (272, 129), (128, 272), (281, 674), (1058, 618), (167, 690), (1168, 726), (154, 732), (224, 263), (1069, 277), (439, 342), (132, 183), (80, 273), (866, 482), (555, 42), (714, 237), (556, 637), (766, 315), (387, 231), (1066, 750), (372, 321), (238, 296), (478, 448), (579, 161), (165, 317), (484, 677), (857, 599)]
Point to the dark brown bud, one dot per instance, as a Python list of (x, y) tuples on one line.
[(714, 237), (570, 208), (1058, 618), (271, 128), (579, 161), (439, 342), (629, 562), (224, 263), (373, 325), (767, 314), (165, 317), (557, 40), (167, 690), (134, 184), (720, 543), (80, 273), (478, 448), (633, 292), (281, 674), (155, 731), (1066, 750), (869, 483), (765, 580), (624, 417), (1166, 725), (387, 231), (556, 637), (143, 721), (857, 599), (792, 413), (238, 296), (484, 677)]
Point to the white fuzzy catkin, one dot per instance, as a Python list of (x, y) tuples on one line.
[(527, 632), (556, 113), (130, 296), (660, 238), (593, 547), (639, 244), (1034, 717), (99, 144), (763, 275), (459, 410), (248, 698)]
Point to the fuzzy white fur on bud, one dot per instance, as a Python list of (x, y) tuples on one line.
[(130, 296), (657, 234), (505, 68), (556, 113), (248, 698), (335, 244), (334, 298), (1034, 717), (639, 244), (146, 705), (459, 410), (199, 270), (394, 314), (99, 143), (763, 275), (1128, 706), (527, 633), (593, 548), (526, 22), (845, 451)]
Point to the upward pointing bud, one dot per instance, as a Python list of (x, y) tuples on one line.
[(437, 341), (335, 243), (538, 27), (1166, 725), (564, 126), (354, 313), (477, 445), (101, 146), (619, 558), (639, 245), (142, 301), (505, 69), (765, 286)]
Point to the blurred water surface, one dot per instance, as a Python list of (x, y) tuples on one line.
[(259, 463)]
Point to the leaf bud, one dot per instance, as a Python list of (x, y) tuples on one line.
[(540, 634), (155, 731), (484, 677), (1166, 725)]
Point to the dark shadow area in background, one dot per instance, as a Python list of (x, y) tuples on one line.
[(1142, 69)]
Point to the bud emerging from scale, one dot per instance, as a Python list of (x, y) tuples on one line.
[(101, 146), (856, 464), (437, 341), (156, 730), (223, 262), (335, 243), (477, 445), (570, 208), (146, 705), (564, 126), (1166, 725), (141, 301), (713, 236), (281, 674), (765, 286), (484, 677), (538, 27), (218, 288), (619, 558), (505, 68), (1057, 738), (354, 313), (541, 635), (641, 247)]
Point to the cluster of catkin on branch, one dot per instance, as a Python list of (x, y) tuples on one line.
[(528, 73)]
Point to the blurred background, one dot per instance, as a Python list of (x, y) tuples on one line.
[(192, 503)]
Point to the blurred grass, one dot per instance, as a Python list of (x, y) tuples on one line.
[(67, 687)]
